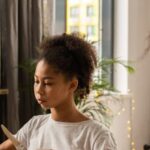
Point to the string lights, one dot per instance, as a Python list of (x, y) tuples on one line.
[(116, 107), (129, 123)]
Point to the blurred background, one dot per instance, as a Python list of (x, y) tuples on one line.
[(118, 28)]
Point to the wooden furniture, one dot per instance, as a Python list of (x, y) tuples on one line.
[(4, 91)]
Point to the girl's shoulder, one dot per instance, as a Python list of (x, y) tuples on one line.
[(42, 117), (38, 120), (94, 124)]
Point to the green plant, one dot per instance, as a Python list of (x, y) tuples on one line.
[(101, 87)]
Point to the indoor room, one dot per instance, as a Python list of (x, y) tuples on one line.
[(93, 53)]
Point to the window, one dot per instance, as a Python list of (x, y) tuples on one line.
[(74, 29), (74, 12), (84, 17), (93, 18), (90, 30), (90, 11)]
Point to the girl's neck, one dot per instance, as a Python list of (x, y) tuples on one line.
[(67, 114)]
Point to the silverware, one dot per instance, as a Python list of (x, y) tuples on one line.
[(9, 135)]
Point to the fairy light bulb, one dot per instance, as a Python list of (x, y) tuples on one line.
[(129, 136), (123, 109), (129, 128), (128, 122), (119, 113), (132, 143), (133, 101)]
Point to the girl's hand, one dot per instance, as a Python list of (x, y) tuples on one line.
[(7, 145)]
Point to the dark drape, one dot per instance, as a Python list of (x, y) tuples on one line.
[(35, 20), (21, 30), (30, 28), (9, 48)]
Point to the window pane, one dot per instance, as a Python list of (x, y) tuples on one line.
[(92, 18), (85, 18), (90, 11), (74, 11)]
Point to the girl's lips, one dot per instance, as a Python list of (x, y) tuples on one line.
[(40, 101)]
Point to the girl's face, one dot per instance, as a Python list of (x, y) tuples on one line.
[(50, 88)]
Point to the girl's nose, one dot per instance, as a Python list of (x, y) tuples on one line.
[(39, 89)]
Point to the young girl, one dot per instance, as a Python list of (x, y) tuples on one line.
[(64, 69)]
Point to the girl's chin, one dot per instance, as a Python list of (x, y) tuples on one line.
[(43, 104), (45, 107)]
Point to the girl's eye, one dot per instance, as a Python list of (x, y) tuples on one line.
[(48, 84), (36, 82)]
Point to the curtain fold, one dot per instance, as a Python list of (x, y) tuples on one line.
[(22, 28), (10, 53), (30, 34)]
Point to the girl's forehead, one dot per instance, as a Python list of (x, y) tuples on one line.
[(44, 67)]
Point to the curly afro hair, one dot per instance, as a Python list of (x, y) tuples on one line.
[(71, 55)]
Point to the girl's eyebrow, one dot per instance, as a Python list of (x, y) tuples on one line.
[(45, 78)]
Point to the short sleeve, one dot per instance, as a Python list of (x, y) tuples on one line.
[(24, 133), (105, 142)]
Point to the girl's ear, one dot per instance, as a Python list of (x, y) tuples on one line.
[(73, 84)]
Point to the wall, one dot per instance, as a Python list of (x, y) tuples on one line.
[(139, 82), (132, 26)]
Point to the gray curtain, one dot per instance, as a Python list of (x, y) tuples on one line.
[(22, 28), (9, 48), (30, 32)]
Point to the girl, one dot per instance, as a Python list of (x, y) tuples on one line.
[(63, 71)]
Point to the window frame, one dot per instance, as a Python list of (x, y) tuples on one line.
[(108, 33)]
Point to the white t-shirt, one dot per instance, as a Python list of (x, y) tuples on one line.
[(44, 133)]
